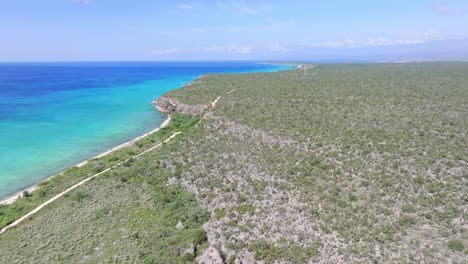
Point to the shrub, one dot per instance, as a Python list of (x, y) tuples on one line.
[(231, 260), (407, 208), (456, 245), (188, 257), (200, 237), (246, 208), (219, 213), (79, 196), (407, 220)]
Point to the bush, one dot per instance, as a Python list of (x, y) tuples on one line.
[(456, 245), (246, 208), (79, 196), (188, 257), (200, 237), (407, 220), (407, 208), (219, 213)]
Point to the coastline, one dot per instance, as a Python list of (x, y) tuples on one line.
[(125, 144), (12, 198), (9, 199)]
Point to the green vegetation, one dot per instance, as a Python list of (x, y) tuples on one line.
[(289, 252), (456, 244), (49, 188), (371, 159), (355, 164), (126, 215)]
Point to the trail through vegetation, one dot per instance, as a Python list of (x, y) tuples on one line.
[(357, 163)]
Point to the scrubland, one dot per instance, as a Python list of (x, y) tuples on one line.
[(357, 163)]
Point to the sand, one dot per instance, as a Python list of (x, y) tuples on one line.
[(11, 199)]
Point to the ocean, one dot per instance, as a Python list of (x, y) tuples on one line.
[(54, 115)]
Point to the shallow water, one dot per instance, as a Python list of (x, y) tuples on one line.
[(54, 115)]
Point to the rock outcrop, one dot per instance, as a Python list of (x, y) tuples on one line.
[(180, 226), (171, 105), (210, 256)]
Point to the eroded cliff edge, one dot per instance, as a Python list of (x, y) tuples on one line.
[(170, 105)]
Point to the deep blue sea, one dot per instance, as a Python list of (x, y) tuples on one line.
[(54, 115)]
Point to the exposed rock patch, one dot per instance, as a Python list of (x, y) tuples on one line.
[(180, 226), (210, 255), (171, 105)]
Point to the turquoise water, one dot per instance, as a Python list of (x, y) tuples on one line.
[(53, 116)]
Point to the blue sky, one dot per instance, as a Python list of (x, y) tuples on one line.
[(61, 30)]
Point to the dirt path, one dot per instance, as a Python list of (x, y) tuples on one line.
[(51, 200), (13, 198), (128, 143), (213, 104), (40, 207)]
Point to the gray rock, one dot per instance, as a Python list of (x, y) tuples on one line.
[(210, 256), (171, 105), (180, 226), (190, 250), (172, 181), (177, 251)]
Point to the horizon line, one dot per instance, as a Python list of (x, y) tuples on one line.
[(235, 60)]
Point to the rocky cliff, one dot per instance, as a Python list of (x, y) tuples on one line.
[(171, 105)]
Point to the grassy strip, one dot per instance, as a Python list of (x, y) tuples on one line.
[(128, 215), (356, 164)]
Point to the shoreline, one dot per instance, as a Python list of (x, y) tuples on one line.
[(125, 144), (9, 199)]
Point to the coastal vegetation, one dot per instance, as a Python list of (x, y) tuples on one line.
[(131, 202), (335, 163), (346, 163)]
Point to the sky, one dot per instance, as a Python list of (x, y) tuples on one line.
[(113, 30)]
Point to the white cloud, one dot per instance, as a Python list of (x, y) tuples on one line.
[(440, 8), (236, 5), (395, 39), (407, 39), (184, 6), (272, 26), (235, 28), (445, 9), (233, 49), (229, 49), (83, 2), (277, 48), (209, 49), (401, 38), (166, 51)]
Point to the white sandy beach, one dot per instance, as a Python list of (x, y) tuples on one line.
[(12, 198)]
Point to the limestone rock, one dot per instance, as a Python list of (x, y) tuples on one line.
[(180, 226), (210, 256), (171, 105), (190, 250)]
